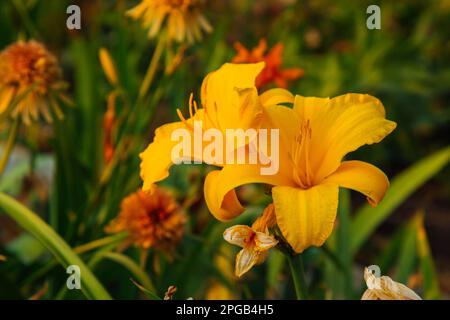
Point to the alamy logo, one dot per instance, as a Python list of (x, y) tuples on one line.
[(234, 146), (74, 20), (374, 20), (74, 280)]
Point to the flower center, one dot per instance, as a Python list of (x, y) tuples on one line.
[(300, 150)]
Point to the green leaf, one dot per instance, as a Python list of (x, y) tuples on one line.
[(32, 223), (402, 186), (275, 266), (407, 255), (427, 266)]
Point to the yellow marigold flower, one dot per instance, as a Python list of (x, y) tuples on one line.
[(314, 137), (384, 288), (152, 219), (30, 72), (184, 20), (229, 99), (254, 241), (273, 71)]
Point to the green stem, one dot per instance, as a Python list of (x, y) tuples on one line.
[(24, 15), (115, 239), (31, 222), (127, 263), (298, 276), (9, 145), (152, 67)]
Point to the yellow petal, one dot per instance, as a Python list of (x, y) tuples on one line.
[(306, 217), (219, 188), (287, 121), (245, 260), (264, 241), (238, 235), (276, 96), (156, 159), (223, 95), (226, 208), (363, 177), (341, 125)]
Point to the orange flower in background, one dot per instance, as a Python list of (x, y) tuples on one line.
[(273, 71), (109, 120), (184, 20), (30, 74), (152, 220)]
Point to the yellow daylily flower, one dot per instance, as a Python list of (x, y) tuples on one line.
[(384, 288), (255, 241), (229, 100), (314, 137)]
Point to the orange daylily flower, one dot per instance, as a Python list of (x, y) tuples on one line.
[(273, 71), (229, 100), (314, 137)]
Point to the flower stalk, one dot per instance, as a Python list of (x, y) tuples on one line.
[(9, 145), (151, 70), (298, 276)]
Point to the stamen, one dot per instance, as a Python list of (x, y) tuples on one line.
[(180, 115), (191, 97), (195, 106), (217, 117), (303, 174), (244, 105), (308, 172)]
